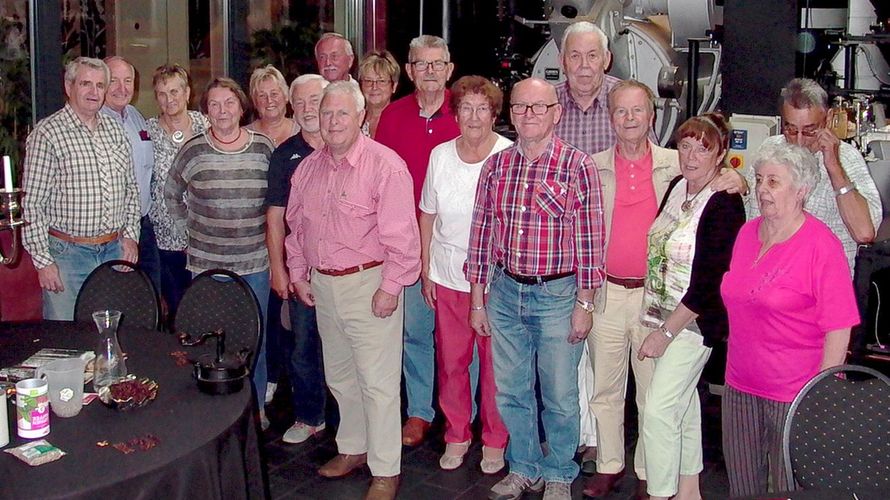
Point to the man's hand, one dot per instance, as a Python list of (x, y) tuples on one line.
[(731, 181), (830, 146), (428, 289), (303, 291), (50, 279), (383, 304), (130, 250), (479, 323), (279, 284), (654, 345), (582, 321)]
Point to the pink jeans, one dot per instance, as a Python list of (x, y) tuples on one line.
[(454, 352)]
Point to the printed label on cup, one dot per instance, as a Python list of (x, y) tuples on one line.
[(32, 408)]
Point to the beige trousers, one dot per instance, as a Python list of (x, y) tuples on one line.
[(616, 336), (362, 366)]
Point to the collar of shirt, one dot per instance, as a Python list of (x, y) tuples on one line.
[(444, 109), (352, 155), (77, 122), (601, 100), (549, 153)]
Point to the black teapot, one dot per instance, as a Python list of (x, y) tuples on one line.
[(223, 373)]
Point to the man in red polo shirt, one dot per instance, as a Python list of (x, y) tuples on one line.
[(413, 126)]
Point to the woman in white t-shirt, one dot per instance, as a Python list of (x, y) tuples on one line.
[(446, 206)]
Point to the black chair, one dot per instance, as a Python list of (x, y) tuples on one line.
[(129, 291), (837, 432), (220, 300)]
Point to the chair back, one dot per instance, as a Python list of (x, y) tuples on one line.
[(220, 299), (837, 432), (129, 291)]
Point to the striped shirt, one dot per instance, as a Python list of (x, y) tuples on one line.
[(591, 130), (223, 213), (78, 181), (538, 216)]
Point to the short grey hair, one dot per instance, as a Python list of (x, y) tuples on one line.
[(803, 93), (799, 161), (90, 62), (628, 85), (304, 79), (109, 59), (349, 87), (267, 72), (428, 42), (338, 36), (585, 27)]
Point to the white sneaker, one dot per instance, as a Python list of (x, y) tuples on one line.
[(270, 391), (300, 432)]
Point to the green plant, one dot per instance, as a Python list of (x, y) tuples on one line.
[(15, 90), (288, 47)]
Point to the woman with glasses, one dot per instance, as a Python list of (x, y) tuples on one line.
[(268, 91), (446, 206), (378, 75)]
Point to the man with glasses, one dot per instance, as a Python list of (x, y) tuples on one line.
[(413, 126), (537, 241), (846, 198), (334, 57)]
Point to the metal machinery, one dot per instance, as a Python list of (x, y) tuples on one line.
[(661, 43)]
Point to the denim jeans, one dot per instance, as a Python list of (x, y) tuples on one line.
[(276, 338), (175, 278), (305, 367), (75, 262), (418, 355), (149, 260), (529, 321)]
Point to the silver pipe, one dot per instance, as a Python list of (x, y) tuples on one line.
[(420, 28), (446, 21)]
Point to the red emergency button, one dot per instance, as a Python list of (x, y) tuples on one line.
[(735, 162)]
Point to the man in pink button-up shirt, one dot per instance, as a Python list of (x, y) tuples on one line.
[(354, 245)]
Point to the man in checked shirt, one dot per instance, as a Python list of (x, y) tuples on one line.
[(82, 200), (537, 241)]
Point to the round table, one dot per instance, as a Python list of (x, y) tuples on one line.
[(208, 444)]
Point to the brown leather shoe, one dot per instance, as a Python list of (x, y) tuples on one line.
[(599, 485), (342, 465), (414, 431), (383, 488), (641, 493)]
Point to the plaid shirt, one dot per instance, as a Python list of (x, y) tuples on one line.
[(77, 181), (590, 131), (538, 216)]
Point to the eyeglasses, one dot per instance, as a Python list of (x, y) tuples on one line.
[(437, 65), (367, 82), (791, 130), (468, 110), (537, 108)]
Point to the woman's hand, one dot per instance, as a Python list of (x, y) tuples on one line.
[(428, 290), (654, 345)]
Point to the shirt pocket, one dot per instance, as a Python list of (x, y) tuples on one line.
[(550, 198), (355, 208)]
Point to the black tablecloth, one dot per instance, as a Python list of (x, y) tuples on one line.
[(208, 444)]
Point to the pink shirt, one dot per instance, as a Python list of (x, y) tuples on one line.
[(353, 211), (635, 210), (781, 307)]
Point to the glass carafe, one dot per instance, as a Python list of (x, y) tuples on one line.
[(110, 366)]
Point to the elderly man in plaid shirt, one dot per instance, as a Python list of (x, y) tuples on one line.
[(82, 201), (537, 242)]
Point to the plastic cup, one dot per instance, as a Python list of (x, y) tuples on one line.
[(65, 380), (32, 408)]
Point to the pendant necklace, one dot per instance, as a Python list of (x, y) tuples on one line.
[(687, 204), (177, 136), (224, 142)]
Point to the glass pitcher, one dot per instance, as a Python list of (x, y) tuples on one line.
[(110, 366)]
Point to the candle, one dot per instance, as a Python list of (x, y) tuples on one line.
[(7, 174)]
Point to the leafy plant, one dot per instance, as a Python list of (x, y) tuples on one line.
[(288, 46), (15, 90)]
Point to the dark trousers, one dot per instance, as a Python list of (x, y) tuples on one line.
[(175, 278), (305, 367), (149, 259)]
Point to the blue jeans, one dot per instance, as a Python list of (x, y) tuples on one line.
[(149, 260), (529, 321), (75, 262), (418, 355), (306, 369), (175, 278), (276, 337)]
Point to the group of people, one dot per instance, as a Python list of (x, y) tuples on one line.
[(409, 239)]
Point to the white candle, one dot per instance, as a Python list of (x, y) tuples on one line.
[(7, 174)]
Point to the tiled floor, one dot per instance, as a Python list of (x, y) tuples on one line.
[(292, 468)]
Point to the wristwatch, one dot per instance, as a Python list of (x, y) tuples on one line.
[(846, 188), (587, 306), (664, 331)]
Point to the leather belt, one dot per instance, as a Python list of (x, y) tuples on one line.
[(85, 240), (629, 283), (534, 280), (350, 270)]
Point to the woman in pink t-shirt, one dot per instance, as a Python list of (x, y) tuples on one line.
[(791, 305)]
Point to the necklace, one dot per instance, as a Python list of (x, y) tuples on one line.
[(178, 136), (688, 203), (222, 141)]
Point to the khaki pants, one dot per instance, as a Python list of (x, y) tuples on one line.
[(362, 366), (616, 336)]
